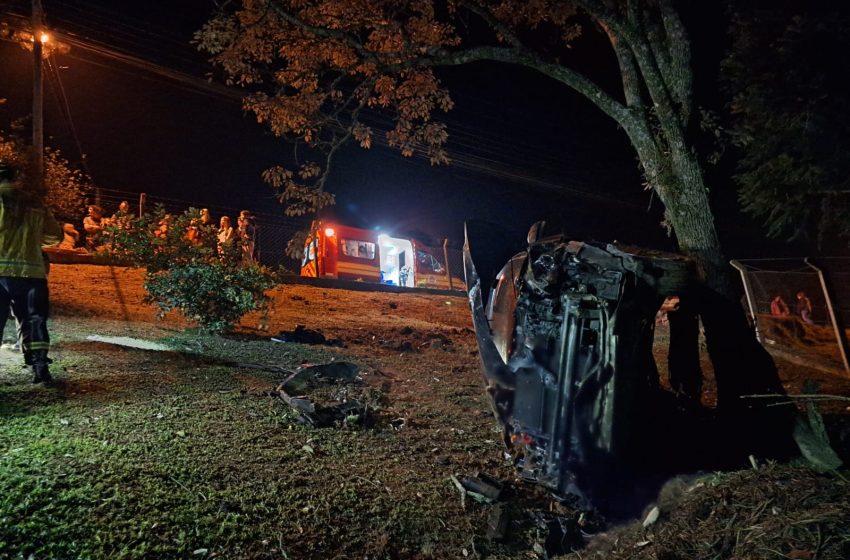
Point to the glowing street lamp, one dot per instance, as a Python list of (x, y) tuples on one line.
[(47, 42)]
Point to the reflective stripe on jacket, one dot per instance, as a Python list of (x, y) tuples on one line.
[(25, 227)]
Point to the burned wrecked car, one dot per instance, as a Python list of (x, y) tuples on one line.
[(565, 336)]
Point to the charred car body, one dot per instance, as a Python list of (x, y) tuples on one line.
[(565, 337)]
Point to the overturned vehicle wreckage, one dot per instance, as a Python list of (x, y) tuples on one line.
[(565, 337)]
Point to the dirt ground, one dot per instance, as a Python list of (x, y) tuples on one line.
[(367, 319), (271, 487)]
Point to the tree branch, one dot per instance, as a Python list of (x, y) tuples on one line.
[(566, 76), (516, 55), (496, 25), (663, 100), (679, 55), (325, 33), (335, 146), (645, 142), (639, 27), (658, 42), (629, 33), (628, 70), (632, 12), (523, 55)]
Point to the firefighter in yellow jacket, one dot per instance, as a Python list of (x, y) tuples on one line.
[(25, 227)]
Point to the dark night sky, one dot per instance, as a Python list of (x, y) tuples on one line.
[(540, 151)]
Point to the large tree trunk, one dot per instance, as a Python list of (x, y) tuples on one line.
[(696, 236), (689, 213), (659, 134)]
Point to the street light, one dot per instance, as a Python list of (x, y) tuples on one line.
[(48, 42)]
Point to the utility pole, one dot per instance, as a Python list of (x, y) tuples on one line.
[(37, 98)]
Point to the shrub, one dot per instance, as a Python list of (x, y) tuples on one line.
[(65, 187), (187, 269)]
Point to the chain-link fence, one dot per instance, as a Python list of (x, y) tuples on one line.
[(801, 307), (272, 231), (451, 259), (455, 266)]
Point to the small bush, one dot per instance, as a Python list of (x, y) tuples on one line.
[(65, 187), (212, 284)]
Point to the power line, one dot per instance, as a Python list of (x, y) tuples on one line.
[(201, 85), (134, 38), (467, 137), (67, 112), (121, 19), (197, 84)]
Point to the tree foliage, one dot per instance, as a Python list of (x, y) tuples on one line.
[(66, 186), (323, 72), (786, 73), (187, 269)]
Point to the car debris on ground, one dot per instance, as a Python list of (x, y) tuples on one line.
[(330, 394), (303, 335)]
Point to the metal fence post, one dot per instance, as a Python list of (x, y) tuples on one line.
[(840, 335), (257, 245), (748, 290), (446, 260), (142, 198)]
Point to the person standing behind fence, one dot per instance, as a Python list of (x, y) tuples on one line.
[(25, 227), (778, 307), (225, 234), (804, 308), (247, 231), (121, 218)]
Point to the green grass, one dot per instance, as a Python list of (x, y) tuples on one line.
[(169, 455), (126, 479)]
